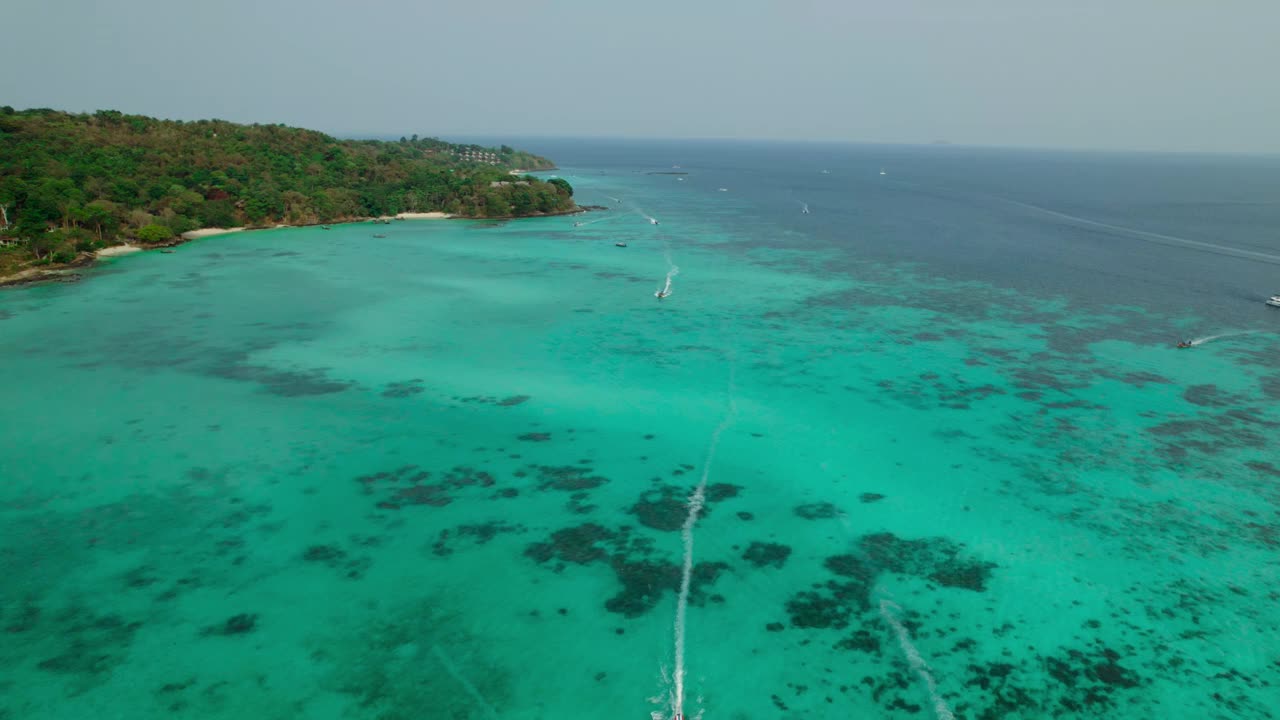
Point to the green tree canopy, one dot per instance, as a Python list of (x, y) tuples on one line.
[(154, 233), (110, 175)]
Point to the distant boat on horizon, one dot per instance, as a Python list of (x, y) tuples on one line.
[(882, 172)]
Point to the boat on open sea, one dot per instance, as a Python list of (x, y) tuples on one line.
[(665, 291), (1274, 301)]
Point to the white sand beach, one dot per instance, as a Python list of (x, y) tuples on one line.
[(425, 216), (206, 232), (117, 250)]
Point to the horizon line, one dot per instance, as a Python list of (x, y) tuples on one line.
[(939, 143), (811, 141)]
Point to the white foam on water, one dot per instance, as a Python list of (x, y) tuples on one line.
[(636, 209), (672, 271), (665, 698), (696, 502), (603, 219), (1211, 338), (887, 610)]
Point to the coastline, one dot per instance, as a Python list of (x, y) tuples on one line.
[(206, 232), (437, 215), (65, 274), (116, 250)]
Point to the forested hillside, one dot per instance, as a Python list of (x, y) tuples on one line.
[(73, 182)]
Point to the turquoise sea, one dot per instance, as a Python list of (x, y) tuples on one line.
[(954, 465)]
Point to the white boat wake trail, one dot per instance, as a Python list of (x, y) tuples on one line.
[(467, 686), (1150, 236), (1210, 338), (603, 219), (888, 611), (636, 209), (696, 501), (672, 271)]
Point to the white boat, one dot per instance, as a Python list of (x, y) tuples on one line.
[(882, 171), (1274, 301), (653, 221), (724, 189)]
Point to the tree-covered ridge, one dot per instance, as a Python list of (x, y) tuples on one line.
[(72, 181)]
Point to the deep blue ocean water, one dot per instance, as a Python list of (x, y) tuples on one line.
[(954, 210)]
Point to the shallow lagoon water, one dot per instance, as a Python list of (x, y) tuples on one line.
[(305, 473)]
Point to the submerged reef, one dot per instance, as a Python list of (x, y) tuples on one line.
[(642, 576)]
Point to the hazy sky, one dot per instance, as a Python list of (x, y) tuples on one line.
[(1116, 74)]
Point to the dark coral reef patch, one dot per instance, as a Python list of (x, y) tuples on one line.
[(408, 485), (643, 579)]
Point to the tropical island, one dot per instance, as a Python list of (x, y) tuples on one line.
[(73, 184)]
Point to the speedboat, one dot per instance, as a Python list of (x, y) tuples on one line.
[(577, 224), (620, 244), (653, 221), (1185, 344), (665, 291), (1274, 301), (882, 171), (379, 236), (324, 227)]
